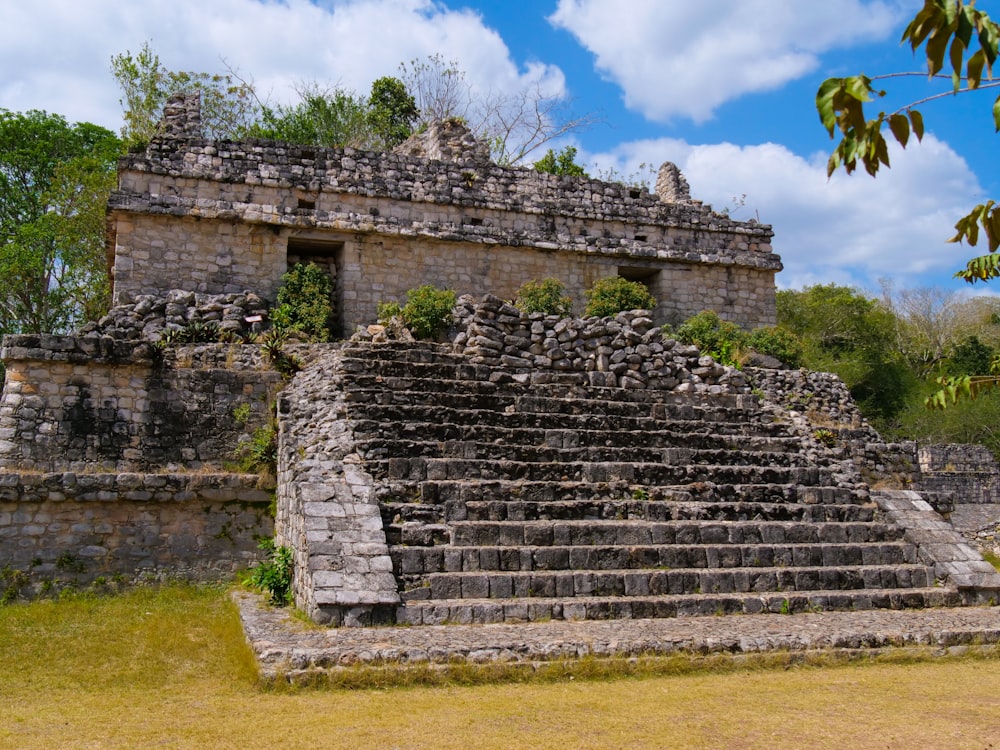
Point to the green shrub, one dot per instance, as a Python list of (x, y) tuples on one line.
[(303, 302), (720, 339), (427, 310), (259, 455), (386, 311), (613, 295), (777, 342), (273, 576), (546, 296)]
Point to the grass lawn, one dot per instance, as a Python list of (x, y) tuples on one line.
[(168, 668)]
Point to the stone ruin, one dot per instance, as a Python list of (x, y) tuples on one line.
[(529, 467)]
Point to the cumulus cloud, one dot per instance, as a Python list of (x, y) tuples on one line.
[(684, 59), (848, 229), (55, 54)]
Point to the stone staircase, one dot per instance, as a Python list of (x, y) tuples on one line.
[(507, 500)]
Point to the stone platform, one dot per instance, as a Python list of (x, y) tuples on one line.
[(288, 648)]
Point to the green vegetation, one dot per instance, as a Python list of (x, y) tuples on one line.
[(777, 342), (170, 666), (259, 454), (612, 295), (273, 576), (847, 333), (562, 163), (427, 311), (303, 303), (228, 104), (729, 344), (725, 342), (547, 296), (55, 179), (335, 117)]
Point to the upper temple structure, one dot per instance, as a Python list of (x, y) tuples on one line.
[(222, 217)]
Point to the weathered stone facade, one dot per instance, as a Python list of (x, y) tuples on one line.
[(216, 217), (96, 403)]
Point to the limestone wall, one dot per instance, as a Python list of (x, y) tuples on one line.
[(67, 528), (90, 403)]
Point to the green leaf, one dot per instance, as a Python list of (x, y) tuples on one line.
[(957, 58), (824, 102), (988, 40), (983, 268), (928, 19), (996, 113), (975, 68), (937, 45), (966, 23), (860, 87), (917, 123), (900, 128)]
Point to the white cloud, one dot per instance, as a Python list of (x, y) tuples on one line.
[(848, 229), (55, 54), (687, 58)]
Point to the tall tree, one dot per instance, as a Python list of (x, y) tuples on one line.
[(845, 332), (392, 111), (322, 117), (514, 124), (337, 117), (228, 103), (54, 184)]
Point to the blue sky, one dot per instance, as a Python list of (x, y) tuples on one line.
[(723, 88)]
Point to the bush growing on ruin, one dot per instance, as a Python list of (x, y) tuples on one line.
[(546, 296), (777, 342), (427, 310), (613, 295), (273, 576), (562, 163), (304, 302), (725, 342)]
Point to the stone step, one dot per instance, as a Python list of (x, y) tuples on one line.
[(683, 439), (420, 561), (644, 474), (395, 515), (369, 416), (629, 533), (484, 611), (601, 499), (371, 389), (674, 581), (764, 437), (381, 449)]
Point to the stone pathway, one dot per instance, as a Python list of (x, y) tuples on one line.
[(288, 647)]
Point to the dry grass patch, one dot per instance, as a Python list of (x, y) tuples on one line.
[(169, 668)]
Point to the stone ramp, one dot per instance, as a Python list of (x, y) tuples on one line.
[(424, 488), (287, 649)]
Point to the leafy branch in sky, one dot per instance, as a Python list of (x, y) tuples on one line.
[(960, 44)]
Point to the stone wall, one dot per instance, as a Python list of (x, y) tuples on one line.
[(625, 351), (228, 216), (67, 528), (95, 403), (327, 512), (822, 402)]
